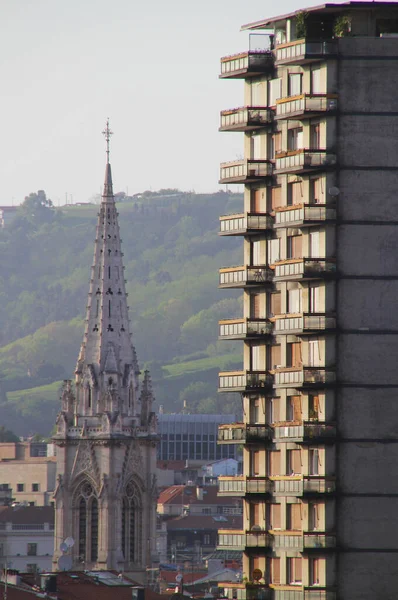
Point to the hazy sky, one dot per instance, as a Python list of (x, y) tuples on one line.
[(151, 66)]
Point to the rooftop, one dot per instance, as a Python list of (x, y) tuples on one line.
[(184, 494), (27, 515), (205, 522)]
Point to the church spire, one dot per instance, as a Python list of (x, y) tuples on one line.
[(108, 187)]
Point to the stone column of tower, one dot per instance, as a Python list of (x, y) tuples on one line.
[(105, 496)]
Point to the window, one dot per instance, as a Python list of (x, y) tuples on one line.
[(314, 353), (274, 463), (1, 549), (315, 136), (274, 91), (256, 514), (273, 250), (294, 301), (314, 298), (313, 516), (206, 511), (276, 144), (255, 358), (276, 197), (295, 138), (294, 193), (293, 354), (313, 407), (256, 253), (294, 246), (314, 571), (276, 304), (293, 408), (314, 244), (294, 84), (273, 410), (255, 306), (274, 516), (275, 359), (275, 571), (35, 487), (255, 146), (316, 85), (293, 466), (20, 487), (32, 550), (316, 191), (206, 539), (313, 459), (255, 463), (294, 571), (293, 517), (255, 412)]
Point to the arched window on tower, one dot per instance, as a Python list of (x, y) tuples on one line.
[(132, 524), (131, 396), (86, 503), (89, 396)]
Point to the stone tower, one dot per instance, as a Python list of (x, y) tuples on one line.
[(106, 431)]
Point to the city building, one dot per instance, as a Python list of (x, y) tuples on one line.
[(7, 214), (106, 432), (319, 277), (177, 472), (192, 437), (28, 468), (26, 538)]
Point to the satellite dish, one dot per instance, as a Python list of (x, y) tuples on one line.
[(334, 191), (69, 542), (63, 547), (65, 562)]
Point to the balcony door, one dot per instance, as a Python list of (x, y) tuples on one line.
[(314, 244), (256, 364), (257, 96), (314, 354), (257, 202), (255, 306), (313, 461), (316, 85), (314, 302), (255, 147), (256, 253)]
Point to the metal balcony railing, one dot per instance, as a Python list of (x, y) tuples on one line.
[(305, 267), (245, 118), (302, 215), (250, 63), (304, 323), (306, 103), (245, 275), (244, 328), (241, 171), (300, 50), (238, 381), (304, 160), (244, 223), (241, 433)]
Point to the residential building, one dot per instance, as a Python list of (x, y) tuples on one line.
[(7, 214), (188, 472), (28, 468), (5, 495), (192, 437), (106, 432), (26, 538), (179, 500), (319, 277)]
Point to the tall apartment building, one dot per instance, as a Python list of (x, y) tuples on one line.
[(320, 280)]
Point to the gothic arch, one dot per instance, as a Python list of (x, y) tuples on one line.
[(85, 504), (132, 517)]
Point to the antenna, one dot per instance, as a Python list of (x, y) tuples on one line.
[(107, 134)]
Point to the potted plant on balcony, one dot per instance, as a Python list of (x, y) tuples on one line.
[(342, 26), (301, 25)]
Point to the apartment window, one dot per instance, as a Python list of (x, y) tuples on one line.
[(255, 410), (294, 246), (314, 571), (294, 571), (293, 517), (256, 90), (1, 549), (313, 516), (275, 358), (294, 301), (276, 144), (313, 459), (32, 550), (294, 193), (256, 514), (295, 138), (276, 303), (273, 410), (314, 298), (20, 487), (206, 511), (256, 253), (255, 146), (315, 136), (316, 85), (276, 197), (314, 244), (274, 463), (313, 407), (316, 191), (274, 91), (206, 539), (257, 204), (295, 84), (255, 306), (274, 520), (293, 465), (35, 487), (275, 571), (273, 250), (31, 568), (314, 353), (256, 363), (293, 408), (255, 463), (293, 354)]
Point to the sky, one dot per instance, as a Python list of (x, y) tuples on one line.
[(150, 66)]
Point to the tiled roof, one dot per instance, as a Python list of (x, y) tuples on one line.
[(27, 515)]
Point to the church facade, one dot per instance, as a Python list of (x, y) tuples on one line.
[(106, 432)]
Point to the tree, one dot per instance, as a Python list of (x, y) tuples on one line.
[(37, 208), (7, 436)]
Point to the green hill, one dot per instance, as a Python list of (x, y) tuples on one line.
[(171, 254)]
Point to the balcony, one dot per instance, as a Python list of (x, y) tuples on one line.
[(304, 215), (241, 433), (229, 539), (245, 223), (239, 277), (306, 376), (301, 542), (304, 323), (245, 118), (304, 161), (308, 432), (306, 106), (244, 381), (244, 329), (302, 51), (248, 591), (247, 64), (305, 268), (303, 593), (245, 171), (240, 485), (298, 485)]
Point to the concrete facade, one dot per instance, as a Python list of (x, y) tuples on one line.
[(319, 278)]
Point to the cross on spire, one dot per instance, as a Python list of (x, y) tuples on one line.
[(107, 134)]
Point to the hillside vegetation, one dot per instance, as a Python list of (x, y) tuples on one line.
[(171, 254)]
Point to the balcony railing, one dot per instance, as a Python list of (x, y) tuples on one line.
[(305, 105), (245, 118), (304, 51), (247, 64), (239, 540), (300, 542), (305, 323), (307, 432), (297, 485), (242, 224), (304, 161), (245, 276), (292, 376), (240, 485), (244, 381), (300, 268), (240, 329), (300, 593), (245, 171), (248, 591), (241, 433), (304, 215)]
